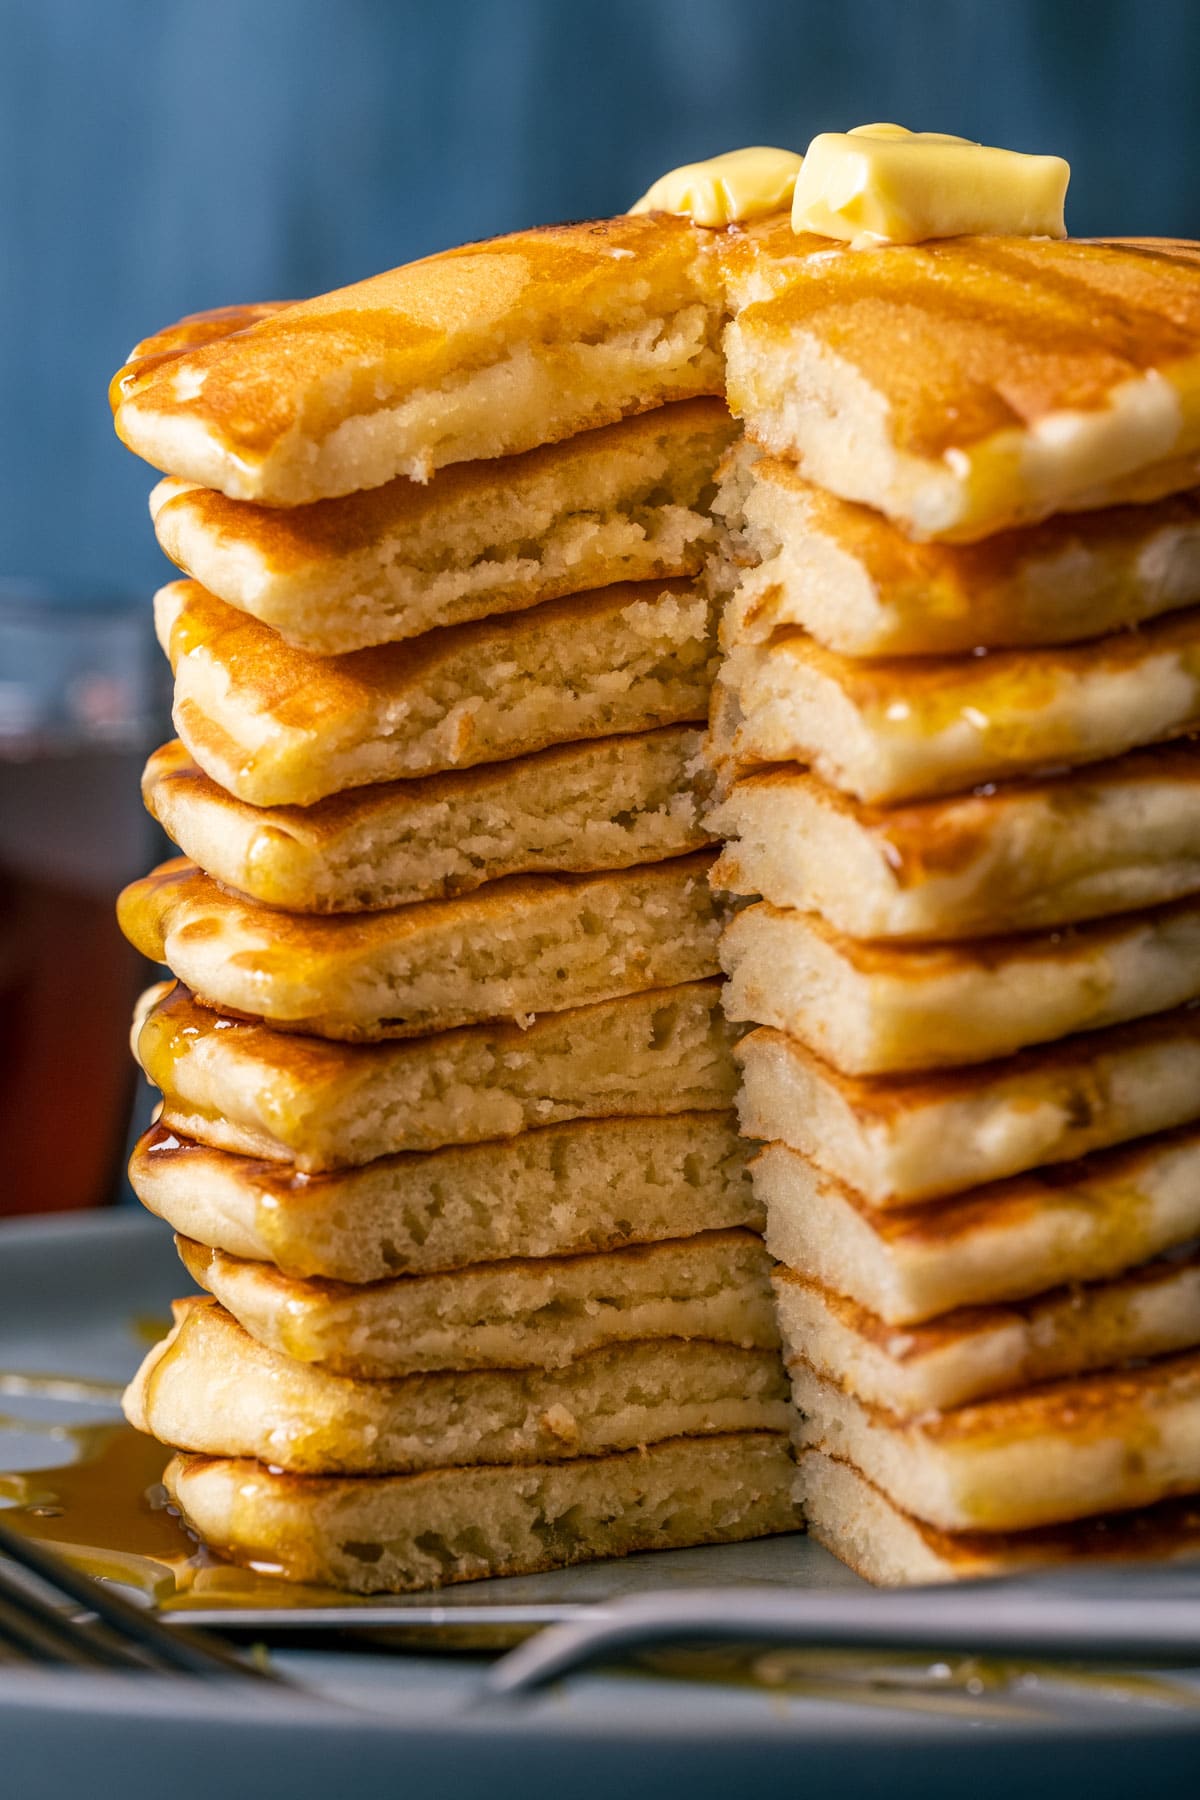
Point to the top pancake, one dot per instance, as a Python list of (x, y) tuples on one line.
[(481, 351), (971, 384)]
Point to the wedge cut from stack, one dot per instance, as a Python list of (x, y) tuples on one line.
[(447, 1129), (963, 579)]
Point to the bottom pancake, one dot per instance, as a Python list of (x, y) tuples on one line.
[(528, 1313), (395, 1534), (209, 1387), (1044, 1456), (860, 1525)]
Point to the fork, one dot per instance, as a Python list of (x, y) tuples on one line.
[(101, 1629)]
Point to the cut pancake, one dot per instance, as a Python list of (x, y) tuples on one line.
[(877, 1009), (278, 727), (626, 503), (1035, 377), (516, 948), (1099, 840), (477, 352), (394, 1534), (860, 1525), (603, 805), (910, 1138), (210, 1387), (245, 1087), (592, 1184), (909, 728), (801, 557), (533, 1313), (980, 1351), (1089, 1444), (1085, 1221)]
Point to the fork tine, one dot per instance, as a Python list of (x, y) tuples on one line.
[(167, 1647), (31, 1629)]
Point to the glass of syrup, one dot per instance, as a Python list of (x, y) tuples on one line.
[(83, 697)]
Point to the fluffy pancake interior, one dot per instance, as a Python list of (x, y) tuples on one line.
[(627, 503), (535, 1313), (244, 1087), (210, 1388), (586, 1185)]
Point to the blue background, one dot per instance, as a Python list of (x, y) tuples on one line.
[(158, 156)]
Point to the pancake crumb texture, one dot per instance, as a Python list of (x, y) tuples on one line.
[(210, 1388), (608, 804), (627, 503), (401, 1533), (536, 1313), (277, 727), (516, 948), (586, 1185), (244, 1087)]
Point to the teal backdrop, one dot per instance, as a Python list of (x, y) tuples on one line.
[(157, 156)]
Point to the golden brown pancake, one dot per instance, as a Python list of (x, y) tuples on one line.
[(884, 1009), (591, 1184), (907, 728), (209, 1387), (1065, 1450), (278, 727), (797, 555), (881, 1543), (627, 503), (533, 1313), (908, 1138), (603, 805), (515, 948), (478, 352), (397, 1533), (244, 1087), (984, 1350), (1099, 840), (1079, 1222), (965, 386)]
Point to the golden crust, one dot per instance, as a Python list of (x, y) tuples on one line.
[(229, 411)]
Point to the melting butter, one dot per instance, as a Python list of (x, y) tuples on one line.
[(881, 184), (726, 190)]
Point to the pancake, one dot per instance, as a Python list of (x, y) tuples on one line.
[(478, 352), (880, 1009), (860, 1525), (965, 386), (1100, 840), (587, 1185), (278, 727), (1084, 1221), (627, 503), (209, 1387), (244, 1087), (602, 805), (534, 1313), (1089, 1444), (855, 582), (526, 945), (897, 1140), (906, 728), (980, 1351), (395, 1534)]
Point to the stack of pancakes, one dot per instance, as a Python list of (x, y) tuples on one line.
[(962, 664), (447, 1127)]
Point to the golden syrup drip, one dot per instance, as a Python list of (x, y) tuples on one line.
[(107, 1512)]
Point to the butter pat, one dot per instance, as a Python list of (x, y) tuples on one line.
[(881, 184), (742, 184)]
